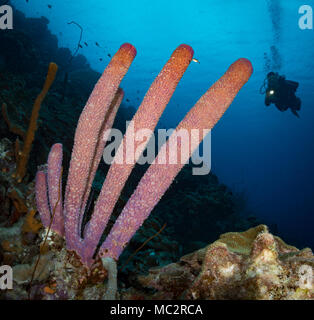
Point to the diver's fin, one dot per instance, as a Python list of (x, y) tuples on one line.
[(295, 113)]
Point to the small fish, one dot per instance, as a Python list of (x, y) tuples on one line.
[(127, 100), (80, 46), (97, 44), (195, 60), (100, 59), (86, 44), (49, 6), (109, 55), (27, 1)]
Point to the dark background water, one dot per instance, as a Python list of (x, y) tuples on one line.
[(256, 150)]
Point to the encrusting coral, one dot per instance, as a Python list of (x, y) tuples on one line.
[(89, 143), (251, 265)]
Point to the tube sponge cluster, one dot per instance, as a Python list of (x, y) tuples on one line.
[(147, 116), (158, 178), (97, 117)]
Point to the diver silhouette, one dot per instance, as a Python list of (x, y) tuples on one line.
[(281, 92)]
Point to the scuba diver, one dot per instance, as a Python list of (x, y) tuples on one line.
[(281, 92)]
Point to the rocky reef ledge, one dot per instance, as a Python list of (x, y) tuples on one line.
[(251, 265)]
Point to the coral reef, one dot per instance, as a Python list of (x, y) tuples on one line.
[(251, 265), (72, 250)]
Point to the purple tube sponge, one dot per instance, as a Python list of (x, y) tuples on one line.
[(49, 190), (147, 116), (88, 145), (158, 178)]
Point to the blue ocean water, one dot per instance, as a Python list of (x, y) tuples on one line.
[(264, 153)]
